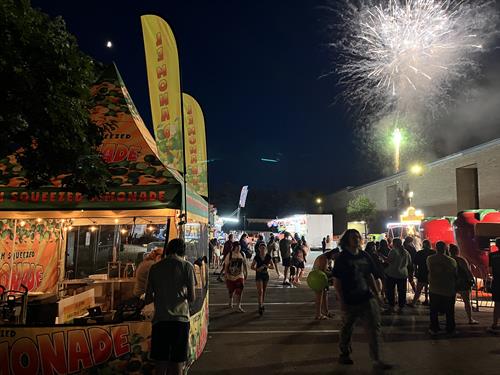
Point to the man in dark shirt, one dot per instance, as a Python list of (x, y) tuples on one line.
[(495, 284), (359, 297), (442, 288), (286, 255), (245, 250), (228, 245), (171, 284), (421, 271)]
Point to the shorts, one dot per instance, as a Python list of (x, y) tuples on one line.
[(299, 264), (262, 276), (235, 286), (276, 259), (423, 279), (169, 341), (286, 262)]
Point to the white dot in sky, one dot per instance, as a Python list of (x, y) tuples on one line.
[(109, 44)]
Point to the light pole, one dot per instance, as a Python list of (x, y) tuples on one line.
[(397, 138), (410, 196)]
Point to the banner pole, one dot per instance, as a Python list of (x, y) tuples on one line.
[(183, 133), (184, 164), (12, 254)]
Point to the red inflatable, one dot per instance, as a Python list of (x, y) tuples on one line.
[(438, 229), (474, 232)]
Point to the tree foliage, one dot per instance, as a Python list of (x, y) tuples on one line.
[(361, 208), (44, 101)]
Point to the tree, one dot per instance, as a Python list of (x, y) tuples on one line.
[(361, 208), (44, 102)]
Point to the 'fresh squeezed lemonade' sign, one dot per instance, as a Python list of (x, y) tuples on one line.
[(35, 254), (65, 350)]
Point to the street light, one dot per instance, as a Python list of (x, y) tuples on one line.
[(319, 200), (416, 169)]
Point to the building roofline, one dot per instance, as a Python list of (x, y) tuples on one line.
[(483, 146)]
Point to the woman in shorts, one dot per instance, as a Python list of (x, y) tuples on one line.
[(299, 262), (261, 263), (464, 281), (273, 249), (235, 271)]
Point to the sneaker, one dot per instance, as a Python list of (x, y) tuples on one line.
[(473, 322), (261, 310), (240, 309), (345, 360), (381, 366)]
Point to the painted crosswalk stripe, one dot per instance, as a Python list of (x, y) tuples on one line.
[(304, 332), (267, 303)]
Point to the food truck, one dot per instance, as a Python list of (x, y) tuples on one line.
[(67, 261), (409, 224), (313, 227)]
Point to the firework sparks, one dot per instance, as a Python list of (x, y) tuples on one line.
[(396, 53)]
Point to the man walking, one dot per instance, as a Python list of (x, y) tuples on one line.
[(171, 286), (422, 272), (286, 256), (359, 297), (397, 275), (442, 279)]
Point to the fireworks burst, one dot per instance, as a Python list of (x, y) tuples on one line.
[(396, 54)]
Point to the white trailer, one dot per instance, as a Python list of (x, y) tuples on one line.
[(313, 227)]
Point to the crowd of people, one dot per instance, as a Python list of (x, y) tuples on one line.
[(368, 282), (364, 280), (384, 269), (237, 255)]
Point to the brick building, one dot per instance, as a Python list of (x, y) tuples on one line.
[(466, 180)]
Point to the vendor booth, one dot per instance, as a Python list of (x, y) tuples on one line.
[(67, 261)]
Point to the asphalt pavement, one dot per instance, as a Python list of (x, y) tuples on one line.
[(287, 339)]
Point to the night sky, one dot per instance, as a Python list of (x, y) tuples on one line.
[(255, 67)]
